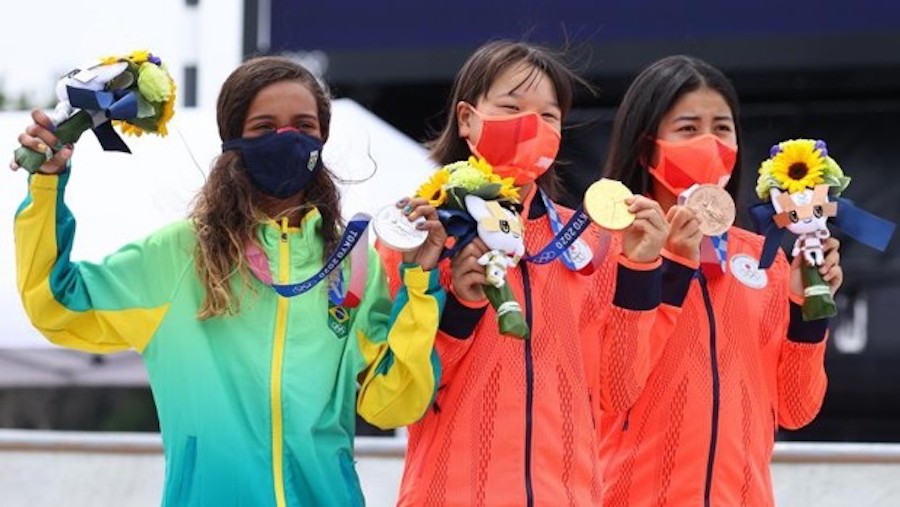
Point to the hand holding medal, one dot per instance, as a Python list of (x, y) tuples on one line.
[(612, 206), (472, 201), (396, 230)]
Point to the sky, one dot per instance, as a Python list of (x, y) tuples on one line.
[(42, 39)]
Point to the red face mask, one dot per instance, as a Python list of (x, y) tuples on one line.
[(702, 159), (521, 146)]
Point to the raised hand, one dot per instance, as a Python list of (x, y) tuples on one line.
[(467, 275), (429, 253), (39, 137), (831, 270), (684, 233), (643, 240)]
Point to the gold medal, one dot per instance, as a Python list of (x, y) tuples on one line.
[(604, 202), (713, 207)]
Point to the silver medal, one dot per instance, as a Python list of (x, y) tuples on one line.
[(397, 231)]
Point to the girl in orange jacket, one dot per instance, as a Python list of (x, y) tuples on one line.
[(513, 421), (739, 361)]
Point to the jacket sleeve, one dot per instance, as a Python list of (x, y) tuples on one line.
[(106, 307), (459, 319), (402, 370), (801, 367), (621, 311)]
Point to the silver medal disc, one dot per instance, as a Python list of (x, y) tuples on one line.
[(396, 231)]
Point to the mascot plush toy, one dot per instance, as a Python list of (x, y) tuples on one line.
[(501, 230), (802, 185)]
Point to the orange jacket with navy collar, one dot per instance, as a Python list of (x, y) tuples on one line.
[(513, 421), (739, 362)]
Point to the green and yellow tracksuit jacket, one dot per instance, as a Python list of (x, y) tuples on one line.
[(257, 408)]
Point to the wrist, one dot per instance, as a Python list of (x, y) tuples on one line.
[(688, 253)]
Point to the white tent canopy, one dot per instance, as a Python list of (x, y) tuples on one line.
[(117, 198)]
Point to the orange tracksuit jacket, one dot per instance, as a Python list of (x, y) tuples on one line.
[(513, 423), (739, 363)]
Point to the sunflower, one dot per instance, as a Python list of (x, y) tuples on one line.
[(109, 60), (508, 189), (433, 190), (168, 111), (797, 164), (139, 56)]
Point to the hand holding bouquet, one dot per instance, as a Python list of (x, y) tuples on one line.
[(473, 201)]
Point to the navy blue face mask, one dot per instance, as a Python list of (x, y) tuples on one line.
[(279, 163)]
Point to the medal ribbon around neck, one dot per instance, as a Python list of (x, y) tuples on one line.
[(354, 242), (566, 236)]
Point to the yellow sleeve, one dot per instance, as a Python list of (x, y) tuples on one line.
[(402, 370)]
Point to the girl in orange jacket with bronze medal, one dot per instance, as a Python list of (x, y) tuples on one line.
[(740, 361)]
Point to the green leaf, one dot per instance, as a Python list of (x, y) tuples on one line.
[(456, 198), (145, 108), (488, 192)]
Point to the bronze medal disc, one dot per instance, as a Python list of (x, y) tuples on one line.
[(713, 207)]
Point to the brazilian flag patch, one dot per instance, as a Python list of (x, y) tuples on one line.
[(338, 320)]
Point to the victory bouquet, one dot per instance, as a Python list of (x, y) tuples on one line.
[(473, 201), (803, 185), (133, 92)]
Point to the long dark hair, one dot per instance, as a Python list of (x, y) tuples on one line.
[(651, 95), (226, 212), (474, 80)]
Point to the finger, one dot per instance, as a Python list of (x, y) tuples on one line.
[(691, 235), (422, 210), (675, 215), (640, 203), (834, 277), (35, 130), (832, 259), (34, 143), (654, 218), (832, 243), (472, 278), (468, 254), (685, 215), (435, 229), (829, 275), (639, 226), (42, 119), (470, 264), (409, 204), (480, 247), (57, 162), (670, 215)]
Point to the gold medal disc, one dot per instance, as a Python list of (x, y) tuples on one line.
[(604, 202)]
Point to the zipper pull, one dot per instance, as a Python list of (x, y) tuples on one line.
[(284, 229)]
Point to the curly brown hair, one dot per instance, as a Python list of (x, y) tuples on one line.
[(226, 213)]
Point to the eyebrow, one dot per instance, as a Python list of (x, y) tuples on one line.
[(512, 93), (695, 118), (304, 116)]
